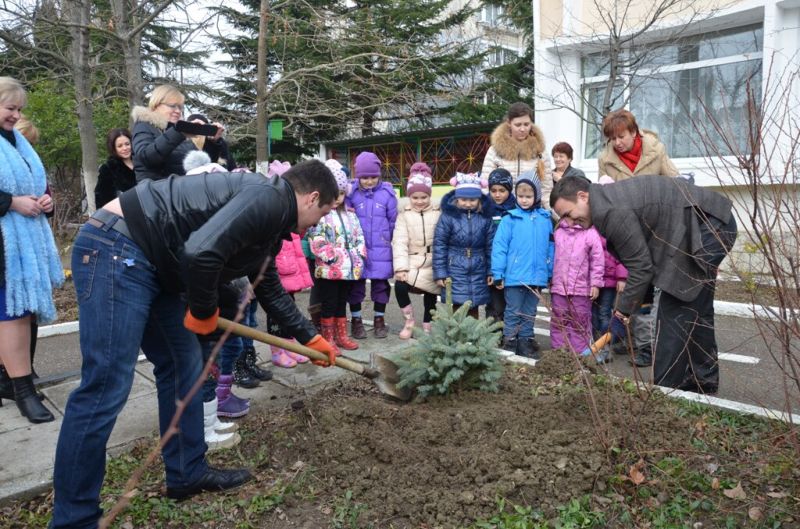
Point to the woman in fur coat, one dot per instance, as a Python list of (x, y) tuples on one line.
[(159, 149), (517, 145)]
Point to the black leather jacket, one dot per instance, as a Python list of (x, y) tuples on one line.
[(204, 230)]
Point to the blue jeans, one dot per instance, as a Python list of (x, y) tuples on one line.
[(250, 320), (601, 311), (520, 312), (123, 307)]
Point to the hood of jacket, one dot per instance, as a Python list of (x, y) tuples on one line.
[(448, 205), (146, 115), (571, 230), (510, 149)]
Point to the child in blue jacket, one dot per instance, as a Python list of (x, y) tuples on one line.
[(522, 263), (462, 242)]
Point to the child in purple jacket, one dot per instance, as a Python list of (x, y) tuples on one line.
[(577, 278), (375, 205)]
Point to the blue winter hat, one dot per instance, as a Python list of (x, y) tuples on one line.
[(501, 177), (530, 178), (468, 185)]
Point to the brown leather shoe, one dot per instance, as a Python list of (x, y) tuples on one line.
[(357, 329), (381, 331)]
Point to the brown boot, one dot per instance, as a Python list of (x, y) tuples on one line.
[(357, 329), (315, 312), (381, 331), (329, 333), (342, 340)]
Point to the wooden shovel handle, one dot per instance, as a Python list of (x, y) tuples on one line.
[(295, 347), (600, 343)]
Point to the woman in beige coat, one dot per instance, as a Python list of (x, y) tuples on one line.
[(412, 244), (517, 145), (629, 151)]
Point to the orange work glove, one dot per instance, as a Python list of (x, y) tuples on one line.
[(318, 343), (206, 326)]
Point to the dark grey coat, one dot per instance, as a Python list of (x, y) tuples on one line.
[(652, 224), (158, 149)]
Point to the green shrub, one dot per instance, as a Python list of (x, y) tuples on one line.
[(458, 354)]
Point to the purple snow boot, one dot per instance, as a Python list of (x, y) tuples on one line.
[(228, 404)]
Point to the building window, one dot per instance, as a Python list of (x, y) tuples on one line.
[(492, 15), (678, 85), (499, 56)]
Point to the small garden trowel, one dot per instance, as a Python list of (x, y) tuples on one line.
[(382, 372)]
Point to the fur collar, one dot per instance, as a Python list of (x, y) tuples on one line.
[(510, 149), (146, 115)]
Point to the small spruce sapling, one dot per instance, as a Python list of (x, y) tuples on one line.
[(458, 354)]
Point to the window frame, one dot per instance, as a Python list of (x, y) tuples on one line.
[(625, 78)]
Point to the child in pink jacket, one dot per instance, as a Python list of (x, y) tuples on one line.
[(295, 276), (577, 278)]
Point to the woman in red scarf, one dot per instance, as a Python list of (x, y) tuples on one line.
[(629, 151)]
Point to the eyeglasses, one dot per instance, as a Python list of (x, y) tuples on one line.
[(174, 106)]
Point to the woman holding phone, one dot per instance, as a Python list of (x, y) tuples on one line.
[(158, 147)]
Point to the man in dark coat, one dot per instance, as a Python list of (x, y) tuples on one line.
[(674, 235), (147, 269)]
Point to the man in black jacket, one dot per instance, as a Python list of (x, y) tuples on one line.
[(674, 235), (137, 264)]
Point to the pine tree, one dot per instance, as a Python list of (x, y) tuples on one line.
[(341, 67), (458, 354)]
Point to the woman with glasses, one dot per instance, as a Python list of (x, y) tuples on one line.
[(159, 149)]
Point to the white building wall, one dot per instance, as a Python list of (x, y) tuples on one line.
[(558, 64)]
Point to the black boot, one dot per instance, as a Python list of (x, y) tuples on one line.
[(510, 344), (214, 480), (251, 363), (528, 348), (28, 401), (241, 375), (6, 388)]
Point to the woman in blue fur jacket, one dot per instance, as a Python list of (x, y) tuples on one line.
[(462, 242), (31, 266)]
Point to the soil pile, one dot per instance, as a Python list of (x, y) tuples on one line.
[(446, 461)]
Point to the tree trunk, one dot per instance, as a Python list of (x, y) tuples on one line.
[(131, 50), (82, 77), (261, 87)]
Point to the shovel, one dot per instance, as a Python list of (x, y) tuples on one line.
[(594, 348), (382, 372)]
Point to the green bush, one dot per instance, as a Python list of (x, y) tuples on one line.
[(458, 354)]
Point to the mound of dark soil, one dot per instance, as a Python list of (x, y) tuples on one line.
[(446, 461)]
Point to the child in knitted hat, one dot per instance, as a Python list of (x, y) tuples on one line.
[(338, 244), (500, 184), (522, 264), (375, 204), (412, 245), (462, 242)]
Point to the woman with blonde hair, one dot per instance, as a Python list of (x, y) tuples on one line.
[(28, 256), (158, 148), (517, 145)]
